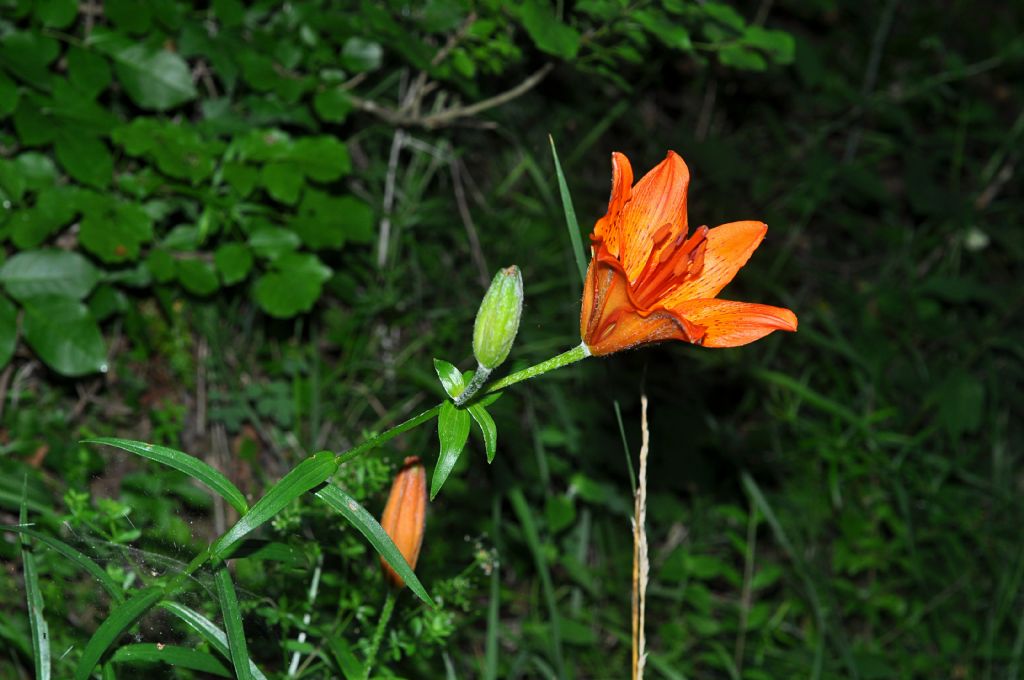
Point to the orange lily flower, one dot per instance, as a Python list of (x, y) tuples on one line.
[(405, 515), (648, 281)]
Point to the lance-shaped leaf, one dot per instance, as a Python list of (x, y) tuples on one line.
[(83, 561), (306, 475), (452, 431), (34, 599), (232, 621), (450, 377), (120, 618), (207, 630), (172, 655), (488, 429), (190, 465), (369, 527)]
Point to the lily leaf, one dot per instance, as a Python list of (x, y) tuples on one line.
[(450, 377), (452, 431), (488, 429)]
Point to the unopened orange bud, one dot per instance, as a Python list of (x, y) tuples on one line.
[(405, 515)]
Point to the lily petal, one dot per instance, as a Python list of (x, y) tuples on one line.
[(659, 199), (729, 246), (731, 324), (607, 228)]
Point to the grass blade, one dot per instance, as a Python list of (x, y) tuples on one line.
[(494, 605), (183, 462), (232, 622), (172, 655), (120, 618), (369, 527), (207, 630), (570, 215), (95, 570), (522, 510), (34, 599), (306, 475)]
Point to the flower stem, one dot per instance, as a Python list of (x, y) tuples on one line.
[(478, 381), (378, 634), (564, 359), (387, 435), (573, 355)]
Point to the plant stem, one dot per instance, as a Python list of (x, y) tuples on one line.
[(571, 356), (479, 378), (387, 435), (378, 634)]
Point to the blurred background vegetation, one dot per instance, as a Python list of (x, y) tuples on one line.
[(245, 229)]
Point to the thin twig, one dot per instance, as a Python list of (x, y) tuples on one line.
[(467, 220), (641, 566), (384, 237), (449, 116)]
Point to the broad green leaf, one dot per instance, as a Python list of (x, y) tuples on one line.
[(293, 286), (232, 616), (37, 273), (177, 149), (488, 430), (197, 276), (741, 57), (118, 620), (207, 630), (364, 522), (88, 71), (65, 336), (129, 15), (40, 632), (172, 655), (8, 330), (272, 242), (326, 222), (282, 182), (779, 45), (452, 431), (56, 13), (332, 105), (114, 230), (183, 462), (450, 377), (83, 561), (308, 474), (359, 54), (28, 56), (724, 14), (9, 95), (234, 262), (55, 208), (547, 32), (153, 77), (322, 158)]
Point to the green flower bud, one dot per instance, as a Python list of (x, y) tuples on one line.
[(497, 320)]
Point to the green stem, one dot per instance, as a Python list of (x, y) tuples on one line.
[(387, 435), (575, 354), (378, 634), (478, 381)]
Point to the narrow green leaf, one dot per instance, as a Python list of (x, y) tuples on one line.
[(308, 474), (119, 619), (183, 462), (451, 377), (232, 622), (452, 431), (351, 668), (570, 215), (207, 630), (34, 598), (369, 527), (488, 429), (172, 655), (95, 570)]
